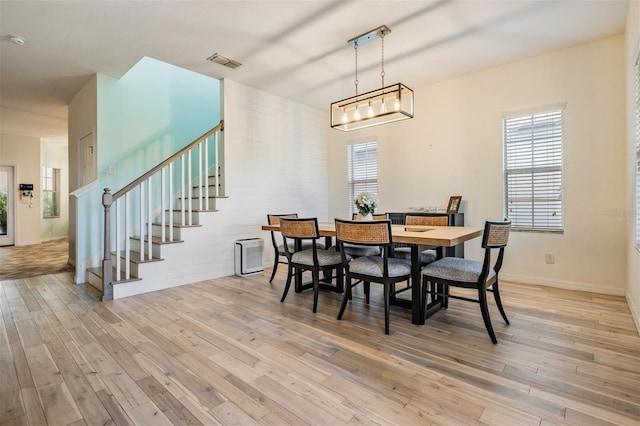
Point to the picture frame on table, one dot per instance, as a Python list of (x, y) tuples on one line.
[(454, 204)]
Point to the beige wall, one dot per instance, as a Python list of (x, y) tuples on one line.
[(633, 255), (23, 152), (453, 146)]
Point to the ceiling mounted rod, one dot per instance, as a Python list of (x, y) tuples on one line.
[(371, 35)]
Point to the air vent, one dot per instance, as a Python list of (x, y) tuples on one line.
[(219, 59)]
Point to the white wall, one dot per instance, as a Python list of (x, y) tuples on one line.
[(83, 119), (55, 154), (453, 146), (276, 162), (23, 152), (633, 255)]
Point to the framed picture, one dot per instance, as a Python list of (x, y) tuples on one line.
[(454, 204)]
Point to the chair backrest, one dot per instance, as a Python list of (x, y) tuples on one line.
[(496, 234), (374, 233), (274, 219), (426, 220), (379, 216), (299, 228)]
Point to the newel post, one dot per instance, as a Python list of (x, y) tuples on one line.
[(107, 269)]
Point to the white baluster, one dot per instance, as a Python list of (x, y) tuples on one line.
[(127, 241), (149, 220), (189, 189), (200, 176), (162, 203), (170, 202), (141, 227), (117, 233), (182, 204), (216, 163), (206, 173)]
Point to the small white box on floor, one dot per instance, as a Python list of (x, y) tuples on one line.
[(248, 256)]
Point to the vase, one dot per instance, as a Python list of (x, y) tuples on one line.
[(365, 217)]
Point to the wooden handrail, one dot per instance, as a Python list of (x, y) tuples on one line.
[(129, 187)]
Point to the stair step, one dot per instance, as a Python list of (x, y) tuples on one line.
[(98, 272), (175, 225), (134, 256), (157, 240)]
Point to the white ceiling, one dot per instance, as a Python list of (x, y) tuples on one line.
[(297, 49)]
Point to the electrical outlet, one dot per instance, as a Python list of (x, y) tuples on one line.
[(550, 258), (111, 170)]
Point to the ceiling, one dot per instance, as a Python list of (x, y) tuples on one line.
[(296, 49)]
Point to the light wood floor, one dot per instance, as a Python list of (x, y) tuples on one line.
[(227, 351)]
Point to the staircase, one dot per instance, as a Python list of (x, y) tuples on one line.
[(153, 225)]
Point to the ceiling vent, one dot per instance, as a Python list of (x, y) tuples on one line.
[(219, 59)]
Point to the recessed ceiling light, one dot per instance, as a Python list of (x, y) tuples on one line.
[(19, 40), (219, 59)]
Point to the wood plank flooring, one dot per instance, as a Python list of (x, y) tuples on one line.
[(226, 351)]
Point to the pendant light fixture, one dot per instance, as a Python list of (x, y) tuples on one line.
[(381, 106)]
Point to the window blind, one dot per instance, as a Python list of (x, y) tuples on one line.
[(50, 189), (533, 171), (363, 170)]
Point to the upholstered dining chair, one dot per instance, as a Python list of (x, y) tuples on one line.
[(382, 269), (439, 276), (314, 259), (278, 247), (354, 250), (429, 254)]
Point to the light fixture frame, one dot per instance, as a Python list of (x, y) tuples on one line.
[(357, 112), (374, 98)]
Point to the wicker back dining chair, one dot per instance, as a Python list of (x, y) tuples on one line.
[(354, 250), (382, 269), (278, 246), (429, 254), (314, 259), (448, 272)]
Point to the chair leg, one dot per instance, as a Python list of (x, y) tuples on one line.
[(482, 298), (275, 267), (367, 288), (496, 295), (316, 288), (340, 279), (345, 298), (424, 294), (288, 284), (387, 291)]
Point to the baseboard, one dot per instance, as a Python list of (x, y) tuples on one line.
[(54, 238), (569, 285), (635, 311)]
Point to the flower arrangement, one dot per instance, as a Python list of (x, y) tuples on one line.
[(366, 203)]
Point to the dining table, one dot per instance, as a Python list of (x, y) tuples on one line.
[(418, 237)]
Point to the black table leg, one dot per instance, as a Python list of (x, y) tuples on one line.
[(417, 311)]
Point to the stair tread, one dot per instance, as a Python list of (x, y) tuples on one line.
[(194, 210), (98, 272), (176, 225), (134, 256), (156, 240)]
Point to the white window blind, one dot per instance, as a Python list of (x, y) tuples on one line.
[(363, 170), (533, 171)]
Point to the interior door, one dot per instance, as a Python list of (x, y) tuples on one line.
[(7, 195)]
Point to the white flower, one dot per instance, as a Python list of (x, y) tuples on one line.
[(366, 203)]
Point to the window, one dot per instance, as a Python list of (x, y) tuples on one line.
[(533, 171), (363, 170), (50, 190)]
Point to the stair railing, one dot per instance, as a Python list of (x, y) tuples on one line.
[(155, 202)]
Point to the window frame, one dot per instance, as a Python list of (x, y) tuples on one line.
[(528, 162), (51, 188), (370, 181), (636, 69)]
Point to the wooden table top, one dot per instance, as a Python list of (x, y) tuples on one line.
[(446, 236)]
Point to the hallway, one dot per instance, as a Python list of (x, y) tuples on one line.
[(38, 259)]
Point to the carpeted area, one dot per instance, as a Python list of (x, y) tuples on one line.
[(49, 257)]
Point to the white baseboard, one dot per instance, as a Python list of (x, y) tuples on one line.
[(569, 285), (635, 311)]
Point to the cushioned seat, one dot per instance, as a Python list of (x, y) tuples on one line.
[(374, 266), (456, 269), (325, 257), (426, 256), (357, 251)]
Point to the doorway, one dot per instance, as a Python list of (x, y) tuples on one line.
[(7, 196)]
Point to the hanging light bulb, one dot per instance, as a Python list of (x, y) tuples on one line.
[(383, 107), (370, 112), (356, 116), (396, 105), (345, 117)]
